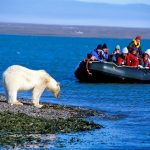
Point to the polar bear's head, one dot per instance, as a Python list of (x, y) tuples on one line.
[(56, 90), (54, 87)]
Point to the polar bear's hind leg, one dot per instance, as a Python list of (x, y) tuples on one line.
[(12, 98)]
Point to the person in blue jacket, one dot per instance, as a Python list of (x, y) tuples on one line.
[(96, 52)]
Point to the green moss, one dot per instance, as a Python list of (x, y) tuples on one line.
[(23, 125)]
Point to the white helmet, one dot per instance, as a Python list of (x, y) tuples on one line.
[(125, 50), (147, 52)]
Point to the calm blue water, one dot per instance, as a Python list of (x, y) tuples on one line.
[(60, 56)]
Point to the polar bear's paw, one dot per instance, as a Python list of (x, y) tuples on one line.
[(17, 103), (38, 105)]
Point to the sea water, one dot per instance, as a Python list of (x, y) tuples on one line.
[(60, 56)]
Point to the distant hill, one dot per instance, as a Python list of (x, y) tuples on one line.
[(73, 30)]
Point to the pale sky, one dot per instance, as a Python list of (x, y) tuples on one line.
[(118, 1), (124, 13)]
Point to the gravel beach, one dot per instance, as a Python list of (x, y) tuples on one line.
[(33, 111), (48, 111)]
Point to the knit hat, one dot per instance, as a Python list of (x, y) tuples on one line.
[(104, 46), (134, 49), (145, 54), (125, 50), (117, 47), (99, 46), (138, 37)]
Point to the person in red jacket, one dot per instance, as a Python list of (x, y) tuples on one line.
[(132, 59), (122, 59), (145, 61)]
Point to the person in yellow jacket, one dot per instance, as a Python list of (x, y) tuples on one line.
[(135, 43)]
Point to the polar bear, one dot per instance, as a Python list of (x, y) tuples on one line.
[(18, 78)]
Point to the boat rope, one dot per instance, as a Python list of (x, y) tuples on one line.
[(87, 68)]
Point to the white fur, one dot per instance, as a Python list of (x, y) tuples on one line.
[(17, 78)]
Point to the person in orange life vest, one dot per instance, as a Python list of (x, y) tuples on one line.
[(122, 59), (135, 43), (132, 59), (145, 61)]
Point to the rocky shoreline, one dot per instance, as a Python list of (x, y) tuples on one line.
[(48, 111), (17, 122)]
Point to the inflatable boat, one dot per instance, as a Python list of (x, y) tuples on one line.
[(107, 72)]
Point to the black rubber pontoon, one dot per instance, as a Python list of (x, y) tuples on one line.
[(107, 72)]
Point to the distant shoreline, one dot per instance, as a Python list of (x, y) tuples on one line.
[(73, 30)]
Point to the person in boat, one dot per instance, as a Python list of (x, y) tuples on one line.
[(114, 56), (148, 52), (132, 58), (145, 62), (90, 57), (93, 56), (135, 43), (122, 59), (96, 52), (103, 54)]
